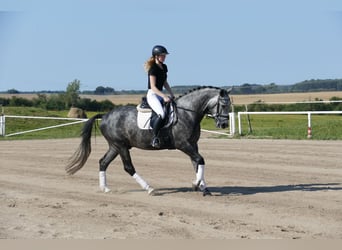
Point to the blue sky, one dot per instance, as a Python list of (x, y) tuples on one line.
[(44, 45)]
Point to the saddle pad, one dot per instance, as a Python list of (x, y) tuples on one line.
[(143, 110), (144, 118)]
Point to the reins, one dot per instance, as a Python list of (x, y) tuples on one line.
[(216, 115), (186, 109)]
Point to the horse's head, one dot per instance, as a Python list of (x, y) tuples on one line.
[(218, 108)]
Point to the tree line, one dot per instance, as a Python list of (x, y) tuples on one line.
[(60, 101), (313, 85), (71, 96)]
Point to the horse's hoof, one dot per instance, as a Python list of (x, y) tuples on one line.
[(151, 191), (105, 189), (195, 186), (206, 192)]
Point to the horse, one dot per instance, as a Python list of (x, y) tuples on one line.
[(119, 127)]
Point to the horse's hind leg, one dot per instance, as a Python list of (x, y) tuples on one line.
[(104, 163), (129, 168)]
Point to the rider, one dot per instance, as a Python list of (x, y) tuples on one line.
[(157, 79)]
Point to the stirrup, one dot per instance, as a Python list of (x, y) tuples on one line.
[(156, 142)]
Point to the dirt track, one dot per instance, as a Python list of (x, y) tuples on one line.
[(261, 189)]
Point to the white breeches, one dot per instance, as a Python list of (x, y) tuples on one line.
[(155, 103)]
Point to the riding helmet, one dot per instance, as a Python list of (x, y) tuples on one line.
[(159, 50)]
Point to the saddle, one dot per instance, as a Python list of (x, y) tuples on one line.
[(146, 115)]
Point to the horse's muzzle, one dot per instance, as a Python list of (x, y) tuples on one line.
[(221, 123), (224, 125)]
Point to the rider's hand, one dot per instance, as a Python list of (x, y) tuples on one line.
[(167, 98)]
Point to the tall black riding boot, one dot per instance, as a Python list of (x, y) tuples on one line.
[(156, 127)]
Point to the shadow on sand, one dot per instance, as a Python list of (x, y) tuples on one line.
[(242, 190)]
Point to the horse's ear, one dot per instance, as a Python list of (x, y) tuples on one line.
[(224, 92)]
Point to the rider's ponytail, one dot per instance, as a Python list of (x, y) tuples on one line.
[(148, 64)]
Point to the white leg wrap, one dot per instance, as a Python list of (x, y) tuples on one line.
[(143, 183), (200, 177), (103, 182), (200, 173)]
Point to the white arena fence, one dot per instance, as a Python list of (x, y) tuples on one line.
[(72, 121), (232, 117), (231, 131), (231, 127), (308, 113), (3, 123)]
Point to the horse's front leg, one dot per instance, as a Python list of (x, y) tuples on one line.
[(199, 166), (199, 183)]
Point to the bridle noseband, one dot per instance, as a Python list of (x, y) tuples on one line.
[(221, 101)]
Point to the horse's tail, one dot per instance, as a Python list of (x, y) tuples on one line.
[(81, 155)]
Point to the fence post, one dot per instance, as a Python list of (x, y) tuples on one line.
[(309, 126), (232, 123), (239, 122), (2, 124)]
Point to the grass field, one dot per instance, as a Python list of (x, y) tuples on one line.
[(14, 125), (324, 127)]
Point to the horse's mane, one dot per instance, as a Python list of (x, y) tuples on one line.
[(196, 89)]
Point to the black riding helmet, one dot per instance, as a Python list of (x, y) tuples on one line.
[(159, 50)]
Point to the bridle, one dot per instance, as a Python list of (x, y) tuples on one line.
[(221, 101)]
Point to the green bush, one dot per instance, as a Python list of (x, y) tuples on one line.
[(56, 102)]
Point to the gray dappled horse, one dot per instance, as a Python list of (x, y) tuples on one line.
[(120, 129)]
